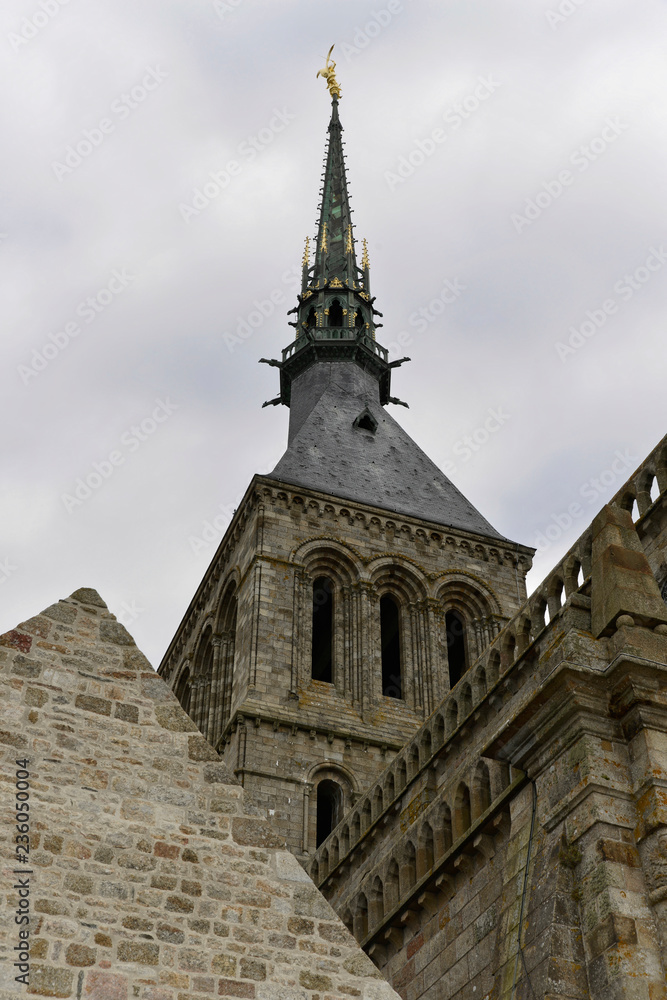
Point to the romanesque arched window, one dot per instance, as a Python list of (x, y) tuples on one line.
[(183, 690), (390, 638), (456, 647), (329, 808), (322, 646)]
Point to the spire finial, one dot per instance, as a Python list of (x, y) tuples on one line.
[(329, 74), (365, 262), (306, 253)]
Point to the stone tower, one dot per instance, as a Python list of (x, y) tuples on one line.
[(355, 583)]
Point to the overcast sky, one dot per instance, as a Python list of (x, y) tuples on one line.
[(506, 162)]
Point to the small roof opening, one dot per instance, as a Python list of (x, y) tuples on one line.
[(366, 421)]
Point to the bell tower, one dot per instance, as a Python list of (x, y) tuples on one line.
[(355, 583)]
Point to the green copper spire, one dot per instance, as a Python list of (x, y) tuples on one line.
[(334, 253), (335, 315)]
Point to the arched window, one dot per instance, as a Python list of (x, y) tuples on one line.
[(392, 886), (322, 659), (446, 827), (329, 808), (426, 855), (335, 313), (462, 810), (358, 319), (361, 917), (183, 690), (390, 638), (311, 319), (456, 647), (482, 789), (408, 868)]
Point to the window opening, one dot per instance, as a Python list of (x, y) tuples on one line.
[(322, 660), (456, 647), (391, 647)]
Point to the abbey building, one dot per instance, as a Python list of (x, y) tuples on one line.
[(370, 765), (475, 779), (355, 585)]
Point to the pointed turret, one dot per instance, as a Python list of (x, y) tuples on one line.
[(335, 315), (335, 376), (335, 258)]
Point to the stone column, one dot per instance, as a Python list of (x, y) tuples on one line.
[(211, 731), (347, 634), (307, 789)]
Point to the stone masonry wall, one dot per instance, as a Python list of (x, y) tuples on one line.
[(284, 727), (554, 885), (150, 873)]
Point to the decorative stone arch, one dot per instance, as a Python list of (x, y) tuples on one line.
[(326, 573), (465, 599), (183, 685), (462, 810), (401, 666), (202, 676), (398, 575), (481, 789), (224, 643), (342, 785), (392, 885), (206, 624)]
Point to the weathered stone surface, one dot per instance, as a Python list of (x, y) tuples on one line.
[(154, 883)]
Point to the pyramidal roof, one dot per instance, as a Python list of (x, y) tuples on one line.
[(336, 377), (344, 442)]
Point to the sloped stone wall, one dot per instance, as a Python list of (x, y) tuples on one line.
[(150, 875)]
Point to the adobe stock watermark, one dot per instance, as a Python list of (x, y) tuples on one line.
[(468, 446), (130, 442), (7, 568), (247, 151), (213, 528), (625, 289), (564, 10), (420, 319), (87, 310), (591, 491), (247, 325), (581, 158), (128, 612), (122, 107), (365, 33), (31, 26), (224, 8), (454, 117)]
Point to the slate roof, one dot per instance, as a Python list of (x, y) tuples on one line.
[(386, 469)]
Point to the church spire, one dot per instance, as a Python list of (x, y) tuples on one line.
[(335, 316), (335, 255)]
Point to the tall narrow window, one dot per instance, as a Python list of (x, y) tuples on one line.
[(390, 638), (183, 690), (456, 647), (335, 313), (322, 658), (329, 808)]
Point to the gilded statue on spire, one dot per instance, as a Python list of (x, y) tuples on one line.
[(329, 74)]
